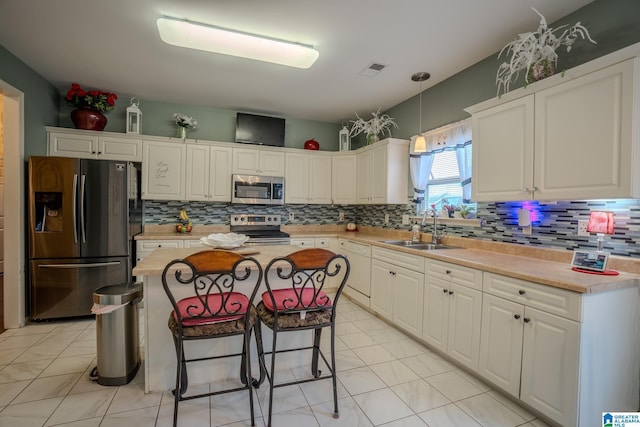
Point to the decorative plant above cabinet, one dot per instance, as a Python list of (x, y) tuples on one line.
[(535, 52)]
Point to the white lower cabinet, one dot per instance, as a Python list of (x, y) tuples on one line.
[(452, 310), (397, 287), (529, 353)]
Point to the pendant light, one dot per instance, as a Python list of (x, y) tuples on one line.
[(420, 145)]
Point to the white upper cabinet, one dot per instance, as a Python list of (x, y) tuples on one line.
[(502, 166), (163, 166), (93, 145), (382, 172), (343, 175), (307, 178), (208, 173), (254, 161), (575, 139)]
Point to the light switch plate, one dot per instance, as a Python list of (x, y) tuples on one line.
[(386, 218), (405, 219)]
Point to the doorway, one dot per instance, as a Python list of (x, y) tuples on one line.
[(13, 295)]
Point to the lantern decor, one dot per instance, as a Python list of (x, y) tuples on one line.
[(134, 117), (344, 140)]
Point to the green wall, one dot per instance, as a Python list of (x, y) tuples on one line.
[(613, 24), (40, 101)]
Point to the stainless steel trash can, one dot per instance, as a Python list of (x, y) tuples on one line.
[(118, 350)]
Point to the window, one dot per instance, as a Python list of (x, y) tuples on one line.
[(444, 180)]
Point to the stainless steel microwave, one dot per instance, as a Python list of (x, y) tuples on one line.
[(253, 189)]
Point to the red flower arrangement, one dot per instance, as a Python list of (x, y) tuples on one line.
[(92, 99)]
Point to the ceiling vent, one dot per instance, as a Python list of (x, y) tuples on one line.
[(373, 69)]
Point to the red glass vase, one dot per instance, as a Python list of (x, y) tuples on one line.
[(89, 119)]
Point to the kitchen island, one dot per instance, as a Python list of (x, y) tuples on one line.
[(159, 349)]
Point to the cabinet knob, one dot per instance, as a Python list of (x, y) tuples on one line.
[(448, 271), (516, 316), (526, 320), (393, 273), (450, 292), (445, 291), (521, 292)]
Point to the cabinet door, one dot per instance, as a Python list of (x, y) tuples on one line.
[(502, 164), (250, 161), (115, 148), (378, 175), (197, 172), (246, 161), (343, 175), (587, 121), (382, 291), (465, 314), (408, 300), (436, 313), (319, 179), (163, 171), (271, 163), (501, 343), (296, 178), (220, 174), (73, 145), (550, 354), (363, 172)]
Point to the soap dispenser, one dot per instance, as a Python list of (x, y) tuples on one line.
[(415, 233)]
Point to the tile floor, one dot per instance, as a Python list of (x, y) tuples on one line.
[(385, 379)]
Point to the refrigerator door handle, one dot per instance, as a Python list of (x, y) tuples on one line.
[(75, 208), (82, 208), (86, 265)]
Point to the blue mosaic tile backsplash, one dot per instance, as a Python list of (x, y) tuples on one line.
[(554, 225)]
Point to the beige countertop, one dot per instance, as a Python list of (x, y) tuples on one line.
[(546, 266)]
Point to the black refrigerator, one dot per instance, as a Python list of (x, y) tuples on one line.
[(83, 215)]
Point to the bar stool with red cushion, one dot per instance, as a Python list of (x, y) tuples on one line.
[(296, 300), (215, 307)]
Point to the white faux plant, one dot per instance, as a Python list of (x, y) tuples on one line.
[(185, 121), (375, 126), (535, 52)]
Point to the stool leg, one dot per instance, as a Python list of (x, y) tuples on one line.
[(246, 375), (334, 378), (261, 362), (178, 391), (271, 375), (317, 333)]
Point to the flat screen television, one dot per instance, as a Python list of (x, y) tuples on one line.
[(261, 130)]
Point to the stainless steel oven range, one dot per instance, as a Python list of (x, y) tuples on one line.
[(261, 229)]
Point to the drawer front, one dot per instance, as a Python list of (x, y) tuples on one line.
[(552, 300), (322, 242), (401, 259), (303, 242), (150, 245), (458, 274)]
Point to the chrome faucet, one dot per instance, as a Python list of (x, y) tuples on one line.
[(435, 236)]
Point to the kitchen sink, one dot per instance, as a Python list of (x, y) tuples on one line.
[(418, 245)]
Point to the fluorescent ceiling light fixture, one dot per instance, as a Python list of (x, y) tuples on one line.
[(193, 35)]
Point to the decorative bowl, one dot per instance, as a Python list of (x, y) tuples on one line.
[(224, 240)]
